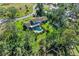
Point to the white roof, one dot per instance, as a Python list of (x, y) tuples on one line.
[(34, 25)]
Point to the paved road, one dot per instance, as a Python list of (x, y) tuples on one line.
[(3, 21)]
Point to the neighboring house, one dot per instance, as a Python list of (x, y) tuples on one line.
[(54, 6), (34, 24), (71, 15)]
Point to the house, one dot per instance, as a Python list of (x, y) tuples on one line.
[(39, 19), (71, 15), (34, 24), (53, 6)]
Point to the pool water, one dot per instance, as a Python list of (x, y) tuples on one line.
[(37, 29)]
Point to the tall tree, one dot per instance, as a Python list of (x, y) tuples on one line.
[(39, 9), (12, 12)]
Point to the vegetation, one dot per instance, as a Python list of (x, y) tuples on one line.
[(60, 35), (18, 9)]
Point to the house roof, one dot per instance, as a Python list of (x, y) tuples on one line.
[(39, 19), (36, 19)]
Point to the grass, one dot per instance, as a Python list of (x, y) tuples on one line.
[(46, 7), (47, 27), (16, 5), (20, 23), (76, 51), (21, 9)]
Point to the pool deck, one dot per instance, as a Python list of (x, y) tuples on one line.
[(36, 31)]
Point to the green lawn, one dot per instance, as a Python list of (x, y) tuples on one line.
[(22, 8), (20, 22), (46, 7)]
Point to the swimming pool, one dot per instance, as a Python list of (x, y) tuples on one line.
[(37, 29)]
